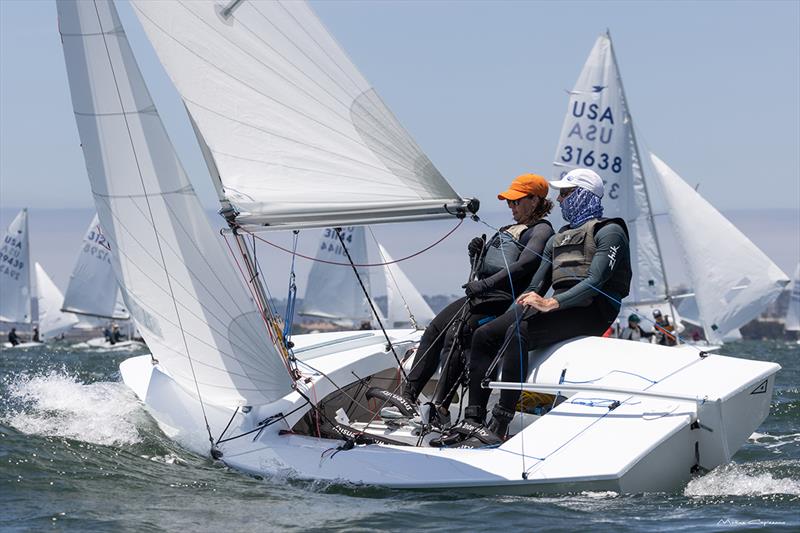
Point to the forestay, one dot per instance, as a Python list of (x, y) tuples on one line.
[(598, 133), (291, 130), (733, 280), (15, 277), (793, 312), (52, 322), (180, 287), (332, 289), (93, 288), (402, 297)]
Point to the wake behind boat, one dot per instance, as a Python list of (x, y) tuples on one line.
[(295, 137)]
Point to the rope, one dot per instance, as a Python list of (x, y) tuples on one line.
[(291, 297), (295, 253)]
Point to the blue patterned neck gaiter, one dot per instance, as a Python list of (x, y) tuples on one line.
[(580, 206)]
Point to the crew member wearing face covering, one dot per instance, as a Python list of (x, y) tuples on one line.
[(587, 263)]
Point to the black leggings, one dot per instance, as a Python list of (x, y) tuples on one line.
[(539, 329), (435, 345)]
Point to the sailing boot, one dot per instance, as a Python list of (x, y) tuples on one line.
[(474, 416), (398, 406), (492, 434)]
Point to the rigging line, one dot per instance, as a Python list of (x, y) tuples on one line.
[(608, 296), (288, 320), (342, 390), (158, 241), (256, 90), (337, 263), (371, 304), (390, 275), (263, 424)]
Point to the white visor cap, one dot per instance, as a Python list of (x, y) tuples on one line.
[(583, 178)]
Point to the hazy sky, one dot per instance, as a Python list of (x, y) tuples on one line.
[(713, 86)]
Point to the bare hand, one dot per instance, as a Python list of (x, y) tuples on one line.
[(531, 299)]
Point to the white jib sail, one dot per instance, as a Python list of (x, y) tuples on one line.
[(52, 321), (598, 133), (793, 312), (296, 134), (15, 277), (733, 280), (332, 290), (93, 288), (402, 297), (181, 290)]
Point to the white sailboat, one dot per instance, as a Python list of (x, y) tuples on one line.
[(15, 275), (93, 291), (334, 293), (286, 123), (598, 133), (793, 311), (52, 321)]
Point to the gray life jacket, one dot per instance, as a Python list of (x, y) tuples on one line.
[(503, 249), (573, 251)]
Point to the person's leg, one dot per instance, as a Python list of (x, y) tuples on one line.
[(486, 341), (430, 349)]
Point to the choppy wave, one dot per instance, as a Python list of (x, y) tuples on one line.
[(58, 404), (750, 479)]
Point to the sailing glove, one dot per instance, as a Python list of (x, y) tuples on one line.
[(474, 288), (475, 246)]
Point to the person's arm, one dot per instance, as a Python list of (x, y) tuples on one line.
[(533, 240), (612, 250)]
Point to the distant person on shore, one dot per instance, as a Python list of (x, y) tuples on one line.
[(13, 338), (632, 332), (664, 329)]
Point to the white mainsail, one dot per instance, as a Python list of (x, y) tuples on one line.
[(598, 133), (181, 290), (93, 288), (15, 277), (733, 280), (293, 134), (793, 312), (52, 321), (402, 297), (332, 290)]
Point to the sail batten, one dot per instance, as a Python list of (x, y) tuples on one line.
[(293, 134)]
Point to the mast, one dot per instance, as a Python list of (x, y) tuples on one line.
[(650, 217)]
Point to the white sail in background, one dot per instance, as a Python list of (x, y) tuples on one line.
[(291, 130), (332, 290), (52, 321), (793, 312), (93, 288), (733, 280), (187, 301), (15, 277), (402, 297), (598, 133)]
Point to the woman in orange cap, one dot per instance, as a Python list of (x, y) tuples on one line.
[(502, 266)]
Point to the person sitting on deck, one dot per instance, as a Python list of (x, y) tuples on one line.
[(663, 329), (587, 262), (35, 337), (13, 338), (633, 332), (503, 265)]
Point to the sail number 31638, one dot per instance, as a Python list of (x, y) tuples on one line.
[(588, 159)]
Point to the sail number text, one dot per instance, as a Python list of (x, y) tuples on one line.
[(603, 161)]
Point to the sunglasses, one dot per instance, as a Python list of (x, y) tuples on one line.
[(515, 202), (563, 193)]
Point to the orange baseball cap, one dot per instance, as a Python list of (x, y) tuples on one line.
[(525, 185)]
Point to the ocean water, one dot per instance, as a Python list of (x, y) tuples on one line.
[(78, 452)]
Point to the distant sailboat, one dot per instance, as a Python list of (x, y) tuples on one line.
[(15, 274), (52, 321), (333, 292), (598, 133)]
